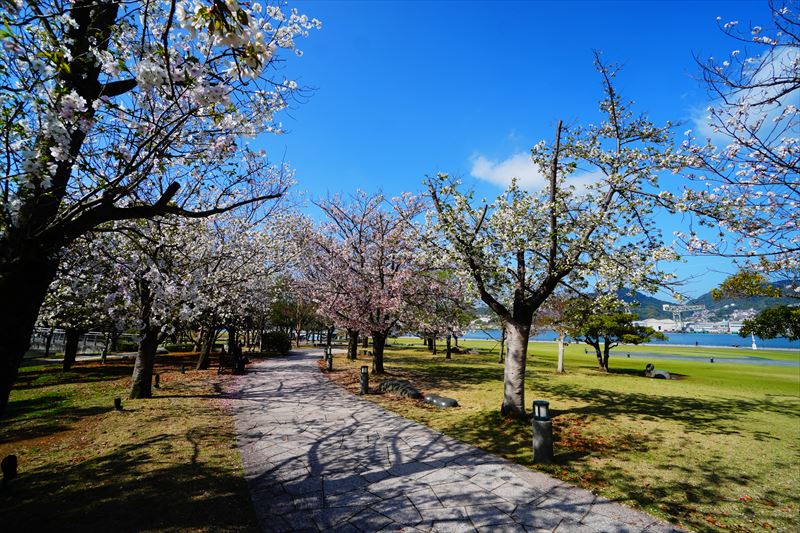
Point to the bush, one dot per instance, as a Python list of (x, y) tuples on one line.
[(276, 342), (127, 346), (181, 347)]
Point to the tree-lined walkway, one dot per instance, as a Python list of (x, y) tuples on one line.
[(318, 458)]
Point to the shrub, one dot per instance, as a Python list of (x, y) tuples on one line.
[(276, 342)]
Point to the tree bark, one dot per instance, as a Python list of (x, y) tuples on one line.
[(378, 343), (352, 344), (606, 353), (502, 345), (448, 349), (71, 338), (365, 341), (48, 341), (142, 381), (560, 368), (25, 274), (329, 340), (204, 360), (514, 371)]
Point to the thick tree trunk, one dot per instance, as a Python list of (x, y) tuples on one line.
[(71, 338), (204, 360), (352, 344), (606, 353), (514, 372), (378, 343), (142, 381), (433, 345), (449, 349), (297, 336), (455, 340), (231, 339), (429, 341), (25, 274), (365, 341), (329, 340), (560, 368)]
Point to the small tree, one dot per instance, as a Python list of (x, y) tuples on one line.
[(780, 321), (603, 324)]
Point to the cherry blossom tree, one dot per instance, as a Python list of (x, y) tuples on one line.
[(365, 267), (530, 243), (123, 110), (746, 162)]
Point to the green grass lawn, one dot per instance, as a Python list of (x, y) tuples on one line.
[(717, 448), (169, 463)]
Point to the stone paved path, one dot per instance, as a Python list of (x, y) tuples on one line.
[(320, 459)]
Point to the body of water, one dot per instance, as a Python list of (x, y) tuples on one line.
[(682, 339)]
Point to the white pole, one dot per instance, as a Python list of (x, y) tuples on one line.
[(753, 337)]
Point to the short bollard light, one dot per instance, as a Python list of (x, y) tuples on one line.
[(329, 362), (118, 403), (542, 433), (364, 380)]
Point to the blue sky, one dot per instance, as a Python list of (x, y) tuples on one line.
[(408, 89)]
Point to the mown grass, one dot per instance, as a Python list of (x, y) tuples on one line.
[(166, 463), (718, 448)]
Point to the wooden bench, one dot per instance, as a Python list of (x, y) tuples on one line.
[(226, 360)]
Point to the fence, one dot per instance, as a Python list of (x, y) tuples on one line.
[(91, 342)]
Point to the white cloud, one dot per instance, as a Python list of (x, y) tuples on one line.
[(501, 173), (520, 166)]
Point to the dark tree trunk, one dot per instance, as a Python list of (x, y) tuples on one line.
[(449, 349), (433, 345), (48, 341), (606, 353), (378, 343), (297, 336), (365, 341), (114, 340), (25, 274), (599, 353), (71, 338), (455, 340), (204, 360), (352, 344), (329, 340), (142, 381), (514, 371), (231, 339)]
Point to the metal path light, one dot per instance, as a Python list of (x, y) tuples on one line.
[(365, 380), (542, 433)]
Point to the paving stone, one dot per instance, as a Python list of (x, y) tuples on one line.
[(369, 521), (318, 458)]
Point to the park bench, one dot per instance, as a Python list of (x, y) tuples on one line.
[(226, 360)]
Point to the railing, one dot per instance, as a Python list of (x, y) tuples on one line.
[(91, 342)]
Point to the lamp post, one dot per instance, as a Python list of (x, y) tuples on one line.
[(329, 362), (542, 433), (364, 380)]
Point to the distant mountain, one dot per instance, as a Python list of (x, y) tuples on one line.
[(648, 306), (722, 309)]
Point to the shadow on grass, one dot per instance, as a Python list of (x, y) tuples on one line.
[(81, 372), (124, 490), (715, 415), (43, 416)]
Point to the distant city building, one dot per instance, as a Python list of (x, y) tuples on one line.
[(659, 324)]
